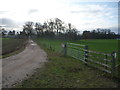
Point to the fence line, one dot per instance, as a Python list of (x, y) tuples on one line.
[(103, 61)]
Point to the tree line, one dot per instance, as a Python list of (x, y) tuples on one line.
[(99, 34), (52, 28), (56, 28)]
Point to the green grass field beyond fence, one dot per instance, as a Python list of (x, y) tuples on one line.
[(101, 45), (98, 45)]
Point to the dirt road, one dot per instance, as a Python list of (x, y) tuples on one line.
[(16, 68)]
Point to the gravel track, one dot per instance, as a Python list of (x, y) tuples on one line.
[(18, 67)]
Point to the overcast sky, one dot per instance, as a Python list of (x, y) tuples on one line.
[(84, 15)]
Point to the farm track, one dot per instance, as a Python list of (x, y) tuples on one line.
[(18, 67)]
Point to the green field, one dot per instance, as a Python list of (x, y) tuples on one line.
[(52, 44), (11, 45), (106, 46), (97, 45)]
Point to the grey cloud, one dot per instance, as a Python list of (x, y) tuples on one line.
[(32, 11), (9, 24), (114, 29), (6, 22), (84, 11)]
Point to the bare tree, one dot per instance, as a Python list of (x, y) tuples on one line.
[(50, 25), (45, 26), (59, 25), (28, 27), (39, 28)]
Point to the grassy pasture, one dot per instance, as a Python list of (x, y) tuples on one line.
[(98, 45), (52, 44), (11, 45), (101, 45)]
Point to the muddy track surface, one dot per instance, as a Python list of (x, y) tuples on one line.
[(18, 67)]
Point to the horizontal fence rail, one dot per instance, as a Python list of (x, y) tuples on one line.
[(103, 61)]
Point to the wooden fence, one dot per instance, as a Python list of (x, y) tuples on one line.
[(103, 61)]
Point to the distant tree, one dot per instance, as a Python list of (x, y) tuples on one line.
[(45, 26), (28, 27), (99, 34), (71, 32), (4, 32), (58, 25), (86, 34), (39, 29), (17, 33), (11, 33), (69, 25)]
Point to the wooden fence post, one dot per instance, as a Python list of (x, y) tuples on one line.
[(106, 57), (106, 61), (86, 53), (113, 54), (65, 49)]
